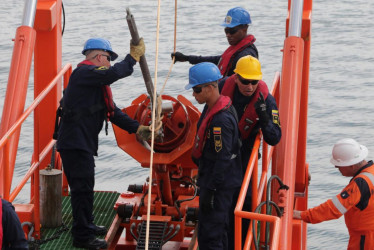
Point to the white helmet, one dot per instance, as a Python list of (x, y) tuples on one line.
[(348, 152)]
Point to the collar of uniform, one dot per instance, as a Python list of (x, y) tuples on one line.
[(85, 62), (370, 163)]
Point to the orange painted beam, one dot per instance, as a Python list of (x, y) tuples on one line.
[(15, 97), (47, 64), (289, 108)]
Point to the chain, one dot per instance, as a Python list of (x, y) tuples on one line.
[(35, 244)]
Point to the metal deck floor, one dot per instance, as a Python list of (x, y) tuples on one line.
[(103, 212)]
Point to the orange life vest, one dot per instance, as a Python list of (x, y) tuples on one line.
[(249, 118), (356, 219), (222, 103), (229, 54)]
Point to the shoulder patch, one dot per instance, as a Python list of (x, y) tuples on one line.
[(217, 142), (275, 114), (344, 195), (101, 68), (217, 130)]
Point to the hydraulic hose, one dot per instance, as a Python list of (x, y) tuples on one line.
[(268, 204)]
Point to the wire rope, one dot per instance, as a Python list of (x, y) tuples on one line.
[(156, 116), (153, 128)]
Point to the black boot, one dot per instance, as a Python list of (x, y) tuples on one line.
[(99, 230), (91, 244)]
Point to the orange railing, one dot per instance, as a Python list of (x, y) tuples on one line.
[(289, 160), (37, 155), (258, 193)]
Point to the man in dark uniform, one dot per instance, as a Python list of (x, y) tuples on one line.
[(87, 103), (256, 109), (11, 233), (236, 25), (216, 150)]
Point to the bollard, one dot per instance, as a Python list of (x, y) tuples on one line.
[(50, 198)]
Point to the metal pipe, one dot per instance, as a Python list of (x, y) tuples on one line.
[(29, 13), (143, 62), (296, 17)]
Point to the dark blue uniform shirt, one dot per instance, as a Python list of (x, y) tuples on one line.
[(83, 92), (220, 164)]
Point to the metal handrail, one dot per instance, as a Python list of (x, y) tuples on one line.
[(29, 13), (296, 17), (65, 71)]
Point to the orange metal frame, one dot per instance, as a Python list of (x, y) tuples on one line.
[(289, 157), (48, 76)]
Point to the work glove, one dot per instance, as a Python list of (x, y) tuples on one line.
[(144, 132), (207, 201), (136, 51), (260, 107), (179, 57)]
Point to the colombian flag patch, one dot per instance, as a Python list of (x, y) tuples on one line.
[(217, 130)]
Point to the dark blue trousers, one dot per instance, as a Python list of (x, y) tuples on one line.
[(79, 168), (214, 226)]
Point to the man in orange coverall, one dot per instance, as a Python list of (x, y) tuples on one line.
[(356, 201)]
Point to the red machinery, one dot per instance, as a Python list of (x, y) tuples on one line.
[(174, 204)]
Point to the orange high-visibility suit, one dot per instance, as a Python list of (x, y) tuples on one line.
[(356, 203)]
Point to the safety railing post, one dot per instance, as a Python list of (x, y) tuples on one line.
[(36, 173), (6, 166)]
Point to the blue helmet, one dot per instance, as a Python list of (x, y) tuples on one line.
[(236, 16), (100, 44), (203, 73)]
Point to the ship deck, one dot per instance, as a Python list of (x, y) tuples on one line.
[(60, 238)]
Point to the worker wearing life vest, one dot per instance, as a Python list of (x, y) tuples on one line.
[(11, 233), (241, 44), (216, 150), (256, 109), (87, 103), (355, 201)]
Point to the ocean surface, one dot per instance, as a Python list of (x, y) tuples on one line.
[(341, 76)]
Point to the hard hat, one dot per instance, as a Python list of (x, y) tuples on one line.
[(203, 73), (101, 44), (348, 152), (236, 16), (249, 67)]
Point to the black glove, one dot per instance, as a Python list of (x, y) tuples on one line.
[(207, 201), (179, 57), (260, 107)]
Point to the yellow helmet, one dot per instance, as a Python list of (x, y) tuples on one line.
[(249, 67)]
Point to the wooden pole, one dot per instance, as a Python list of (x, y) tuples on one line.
[(51, 198)]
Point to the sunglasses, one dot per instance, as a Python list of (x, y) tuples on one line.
[(233, 30), (247, 82), (198, 89)]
